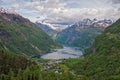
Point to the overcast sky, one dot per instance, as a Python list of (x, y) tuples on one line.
[(60, 11)]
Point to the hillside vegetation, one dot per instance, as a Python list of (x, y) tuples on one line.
[(102, 60), (82, 33), (19, 35), (82, 38), (14, 67)]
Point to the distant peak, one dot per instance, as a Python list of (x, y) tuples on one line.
[(48, 24), (7, 11)]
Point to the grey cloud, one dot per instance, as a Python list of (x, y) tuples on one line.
[(116, 1), (118, 9), (66, 10)]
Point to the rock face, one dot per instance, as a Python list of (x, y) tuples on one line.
[(102, 23), (82, 33), (19, 35), (87, 23)]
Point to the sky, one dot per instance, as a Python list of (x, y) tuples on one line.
[(64, 11)]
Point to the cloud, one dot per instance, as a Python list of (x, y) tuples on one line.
[(59, 11), (15, 6), (33, 4), (46, 4), (116, 1)]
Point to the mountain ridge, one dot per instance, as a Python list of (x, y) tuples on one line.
[(19, 35), (49, 29), (82, 33), (101, 60)]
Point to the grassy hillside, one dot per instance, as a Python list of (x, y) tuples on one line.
[(82, 38), (14, 67), (19, 35), (102, 61), (87, 37)]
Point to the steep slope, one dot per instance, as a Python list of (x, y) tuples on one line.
[(46, 28), (19, 35), (82, 33), (102, 59), (109, 40), (82, 38)]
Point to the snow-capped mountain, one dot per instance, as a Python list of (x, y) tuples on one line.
[(82, 33), (102, 23), (48, 28), (85, 23), (48, 24)]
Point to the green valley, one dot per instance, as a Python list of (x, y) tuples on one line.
[(86, 44)]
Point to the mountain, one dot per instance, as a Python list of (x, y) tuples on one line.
[(101, 61), (19, 35), (108, 40), (86, 23), (49, 29), (82, 33), (102, 23)]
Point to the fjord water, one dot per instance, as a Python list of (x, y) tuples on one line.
[(64, 53)]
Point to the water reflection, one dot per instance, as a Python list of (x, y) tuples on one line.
[(66, 52)]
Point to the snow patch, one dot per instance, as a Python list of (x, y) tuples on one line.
[(49, 25)]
